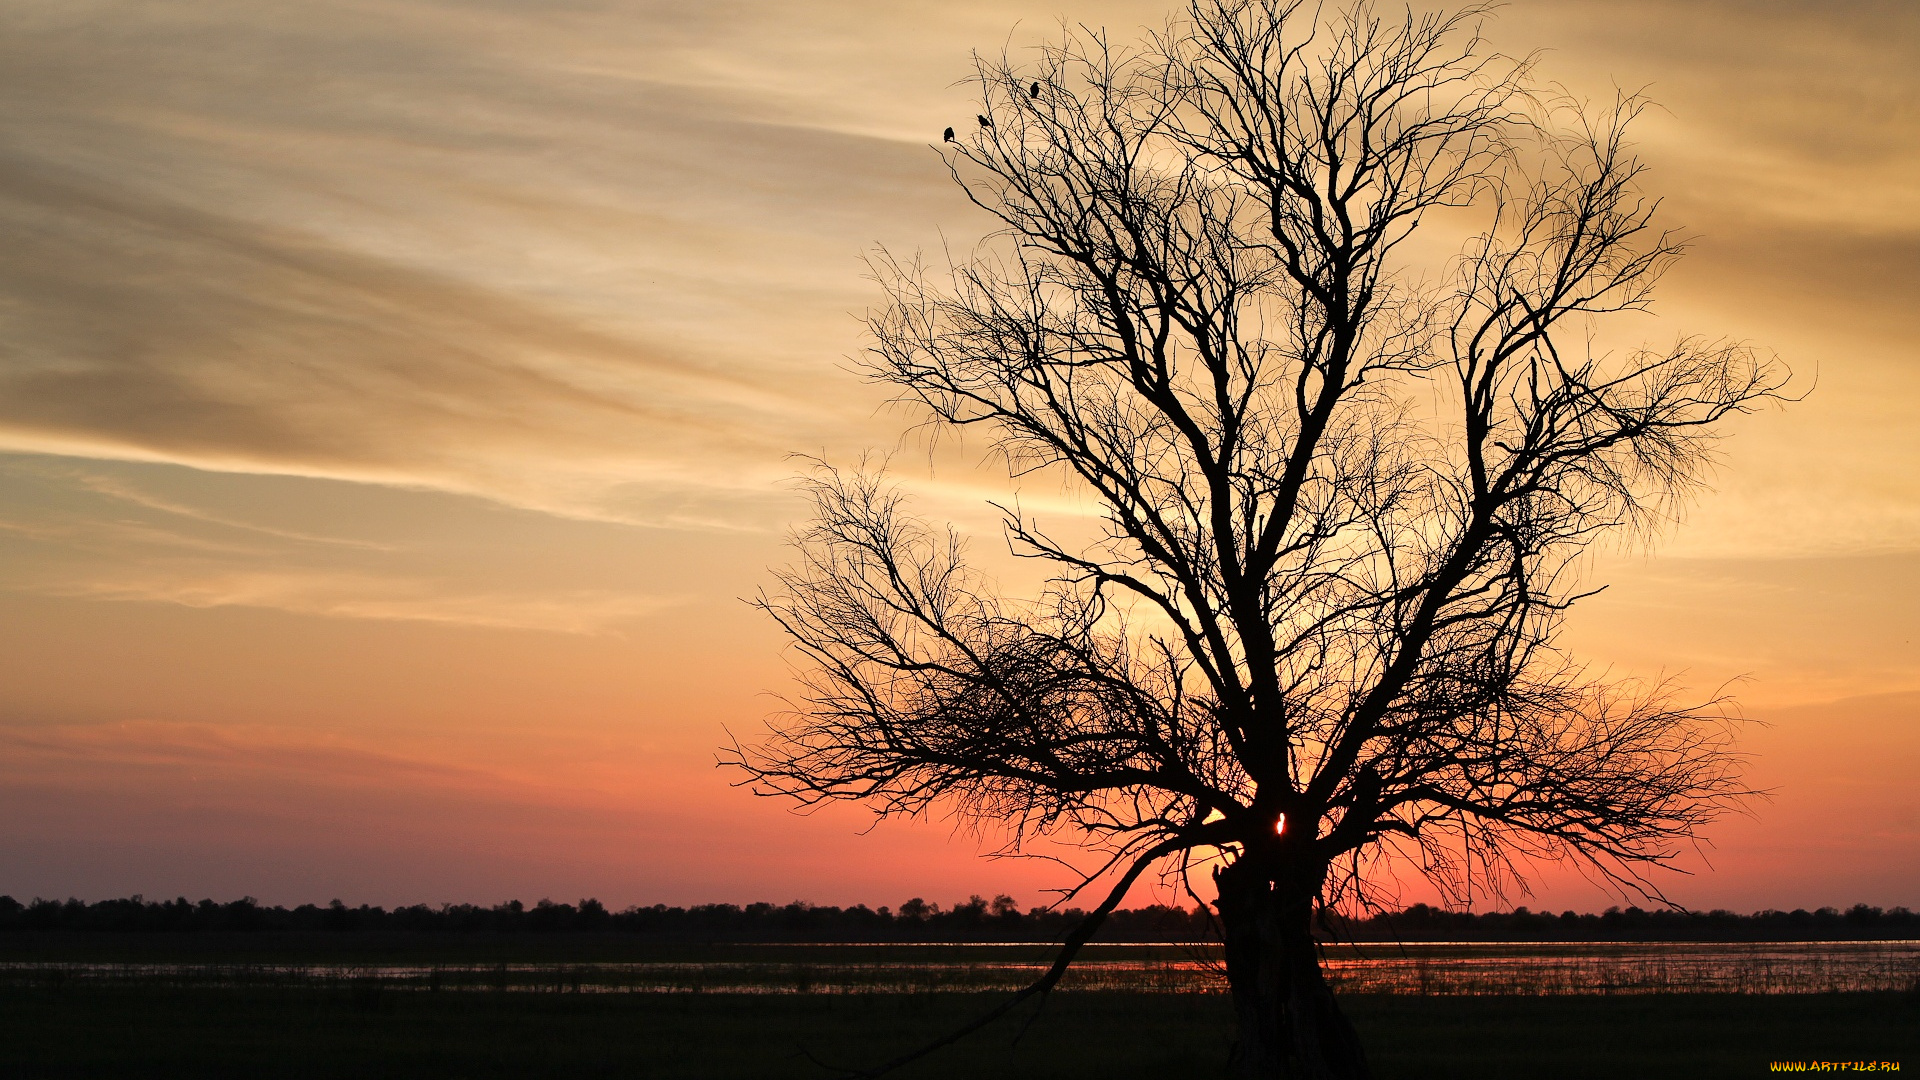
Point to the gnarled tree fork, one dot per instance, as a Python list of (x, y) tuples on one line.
[(1343, 489)]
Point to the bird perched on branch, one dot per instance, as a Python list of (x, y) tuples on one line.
[(1034, 90), (947, 136), (984, 121)]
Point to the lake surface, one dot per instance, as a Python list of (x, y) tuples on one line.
[(1412, 968)]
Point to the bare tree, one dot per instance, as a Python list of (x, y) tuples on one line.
[(1342, 505)]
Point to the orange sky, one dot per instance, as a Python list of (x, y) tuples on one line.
[(394, 398)]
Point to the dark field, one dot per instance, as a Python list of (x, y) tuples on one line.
[(367, 1031), (511, 1006)]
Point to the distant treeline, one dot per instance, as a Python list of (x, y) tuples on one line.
[(1420, 922), (977, 919)]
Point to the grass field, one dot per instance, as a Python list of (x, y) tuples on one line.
[(368, 1031)]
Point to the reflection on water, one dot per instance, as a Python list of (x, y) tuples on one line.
[(1424, 968), (1640, 968)]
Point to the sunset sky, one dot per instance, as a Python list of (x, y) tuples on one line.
[(396, 398)]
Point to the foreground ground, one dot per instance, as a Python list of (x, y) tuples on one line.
[(156, 1031)]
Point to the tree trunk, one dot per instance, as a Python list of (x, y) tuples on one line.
[(1290, 1026)]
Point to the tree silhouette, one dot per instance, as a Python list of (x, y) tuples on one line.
[(1343, 504)]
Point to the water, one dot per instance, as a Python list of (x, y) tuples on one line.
[(1629, 968), (1423, 968)]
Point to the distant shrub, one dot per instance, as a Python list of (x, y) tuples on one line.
[(974, 919)]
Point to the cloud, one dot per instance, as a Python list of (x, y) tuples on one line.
[(239, 808), (231, 346), (156, 744), (599, 257), (169, 534), (340, 595), (119, 488), (415, 244), (1774, 631)]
